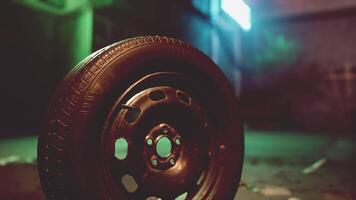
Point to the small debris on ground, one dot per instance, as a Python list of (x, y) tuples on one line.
[(293, 198), (314, 167), (272, 190), (250, 187), (269, 190)]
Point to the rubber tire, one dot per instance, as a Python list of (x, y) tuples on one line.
[(67, 147)]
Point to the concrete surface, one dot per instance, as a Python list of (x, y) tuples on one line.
[(273, 168)]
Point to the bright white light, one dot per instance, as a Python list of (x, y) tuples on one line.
[(239, 11)]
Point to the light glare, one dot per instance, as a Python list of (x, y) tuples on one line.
[(239, 11)]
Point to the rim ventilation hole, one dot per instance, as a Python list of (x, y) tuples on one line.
[(153, 198), (121, 149), (129, 183), (132, 114), (157, 95), (182, 196), (183, 98)]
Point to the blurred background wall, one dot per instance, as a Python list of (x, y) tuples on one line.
[(299, 67), (292, 62)]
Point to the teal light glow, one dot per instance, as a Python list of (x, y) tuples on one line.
[(239, 11)]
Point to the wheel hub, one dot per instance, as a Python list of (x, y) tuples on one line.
[(163, 147)]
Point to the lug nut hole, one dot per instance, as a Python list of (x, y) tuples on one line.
[(149, 142), (178, 141)]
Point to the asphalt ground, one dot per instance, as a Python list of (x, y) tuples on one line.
[(279, 165)]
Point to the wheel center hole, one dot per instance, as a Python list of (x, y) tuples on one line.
[(164, 147)]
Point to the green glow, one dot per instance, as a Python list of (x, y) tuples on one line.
[(273, 52), (278, 49), (55, 7), (64, 25), (164, 147), (102, 3), (24, 147), (121, 148)]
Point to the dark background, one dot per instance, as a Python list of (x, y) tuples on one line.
[(295, 69), (294, 72)]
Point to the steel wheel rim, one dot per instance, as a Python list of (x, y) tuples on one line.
[(205, 176)]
